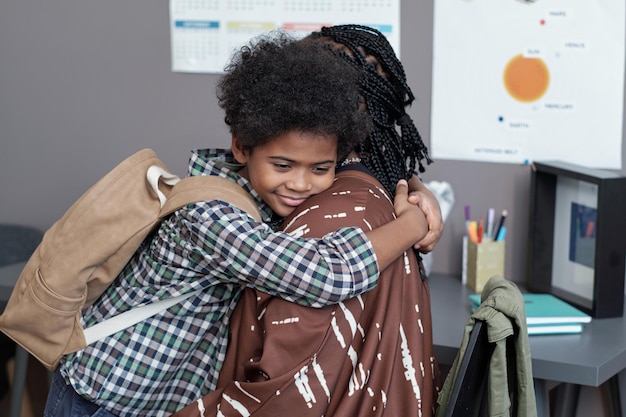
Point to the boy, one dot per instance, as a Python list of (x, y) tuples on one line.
[(291, 108)]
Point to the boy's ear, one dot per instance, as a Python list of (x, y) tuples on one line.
[(240, 154)]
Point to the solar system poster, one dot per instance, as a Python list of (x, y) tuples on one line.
[(517, 81)]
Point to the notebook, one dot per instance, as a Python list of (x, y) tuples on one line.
[(546, 309), (556, 328)]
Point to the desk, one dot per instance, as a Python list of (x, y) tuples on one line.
[(8, 277), (591, 358)]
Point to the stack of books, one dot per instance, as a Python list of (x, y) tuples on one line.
[(547, 314)]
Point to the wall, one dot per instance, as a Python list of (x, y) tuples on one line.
[(84, 84)]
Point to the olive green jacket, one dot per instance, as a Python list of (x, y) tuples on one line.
[(502, 308)]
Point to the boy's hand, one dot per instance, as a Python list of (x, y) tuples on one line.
[(426, 200), (417, 225)]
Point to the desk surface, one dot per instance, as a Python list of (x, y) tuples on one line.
[(589, 358)]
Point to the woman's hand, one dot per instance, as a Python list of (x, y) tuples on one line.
[(421, 196)]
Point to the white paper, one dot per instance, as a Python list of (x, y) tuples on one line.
[(205, 33), (565, 95)]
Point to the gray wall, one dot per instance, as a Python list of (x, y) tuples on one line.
[(84, 84)]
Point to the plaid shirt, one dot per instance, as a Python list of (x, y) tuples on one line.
[(172, 359)]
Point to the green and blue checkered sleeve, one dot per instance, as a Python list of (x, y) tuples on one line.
[(313, 272)]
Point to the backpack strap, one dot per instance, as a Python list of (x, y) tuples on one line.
[(197, 188), (209, 187), (131, 317)]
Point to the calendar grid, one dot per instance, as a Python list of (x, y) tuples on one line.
[(205, 33)]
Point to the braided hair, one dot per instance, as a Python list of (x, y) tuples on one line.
[(390, 155)]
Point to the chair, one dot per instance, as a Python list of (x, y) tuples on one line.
[(468, 397), (485, 380), (17, 243)]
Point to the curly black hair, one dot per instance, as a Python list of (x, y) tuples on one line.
[(275, 85), (390, 152)]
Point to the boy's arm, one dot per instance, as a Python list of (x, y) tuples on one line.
[(313, 272), (392, 239)]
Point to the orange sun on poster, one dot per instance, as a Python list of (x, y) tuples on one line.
[(526, 79)]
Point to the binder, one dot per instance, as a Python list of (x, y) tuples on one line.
[(548, 314)]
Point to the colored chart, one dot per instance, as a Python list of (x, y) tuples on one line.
[(519, 81)]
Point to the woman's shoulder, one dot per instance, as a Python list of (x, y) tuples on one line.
[(354, 198), (360, 183)]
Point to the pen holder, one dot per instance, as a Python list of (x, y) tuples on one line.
[(484, 260)]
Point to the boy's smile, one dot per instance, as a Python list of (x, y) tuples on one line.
[(290, 168)]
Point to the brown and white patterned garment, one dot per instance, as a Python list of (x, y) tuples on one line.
[(369, 356)]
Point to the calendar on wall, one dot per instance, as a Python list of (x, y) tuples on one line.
[(205, 33)]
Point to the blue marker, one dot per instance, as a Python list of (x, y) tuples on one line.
[(500, 224), (501, 234)]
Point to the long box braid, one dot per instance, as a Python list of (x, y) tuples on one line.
[(388, 153)]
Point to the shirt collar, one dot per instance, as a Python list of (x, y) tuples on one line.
[(222, 163)]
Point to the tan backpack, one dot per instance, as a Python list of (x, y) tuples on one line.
[(85, 250)]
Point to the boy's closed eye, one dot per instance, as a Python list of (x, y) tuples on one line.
[(322, 170), (282, 167), (322, 167)]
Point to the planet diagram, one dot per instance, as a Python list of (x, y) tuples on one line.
[(526, 79)]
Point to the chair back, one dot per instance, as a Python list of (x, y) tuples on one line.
[(468, 397), (17, 243)]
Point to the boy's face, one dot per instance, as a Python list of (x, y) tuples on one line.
[(289, 169)]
